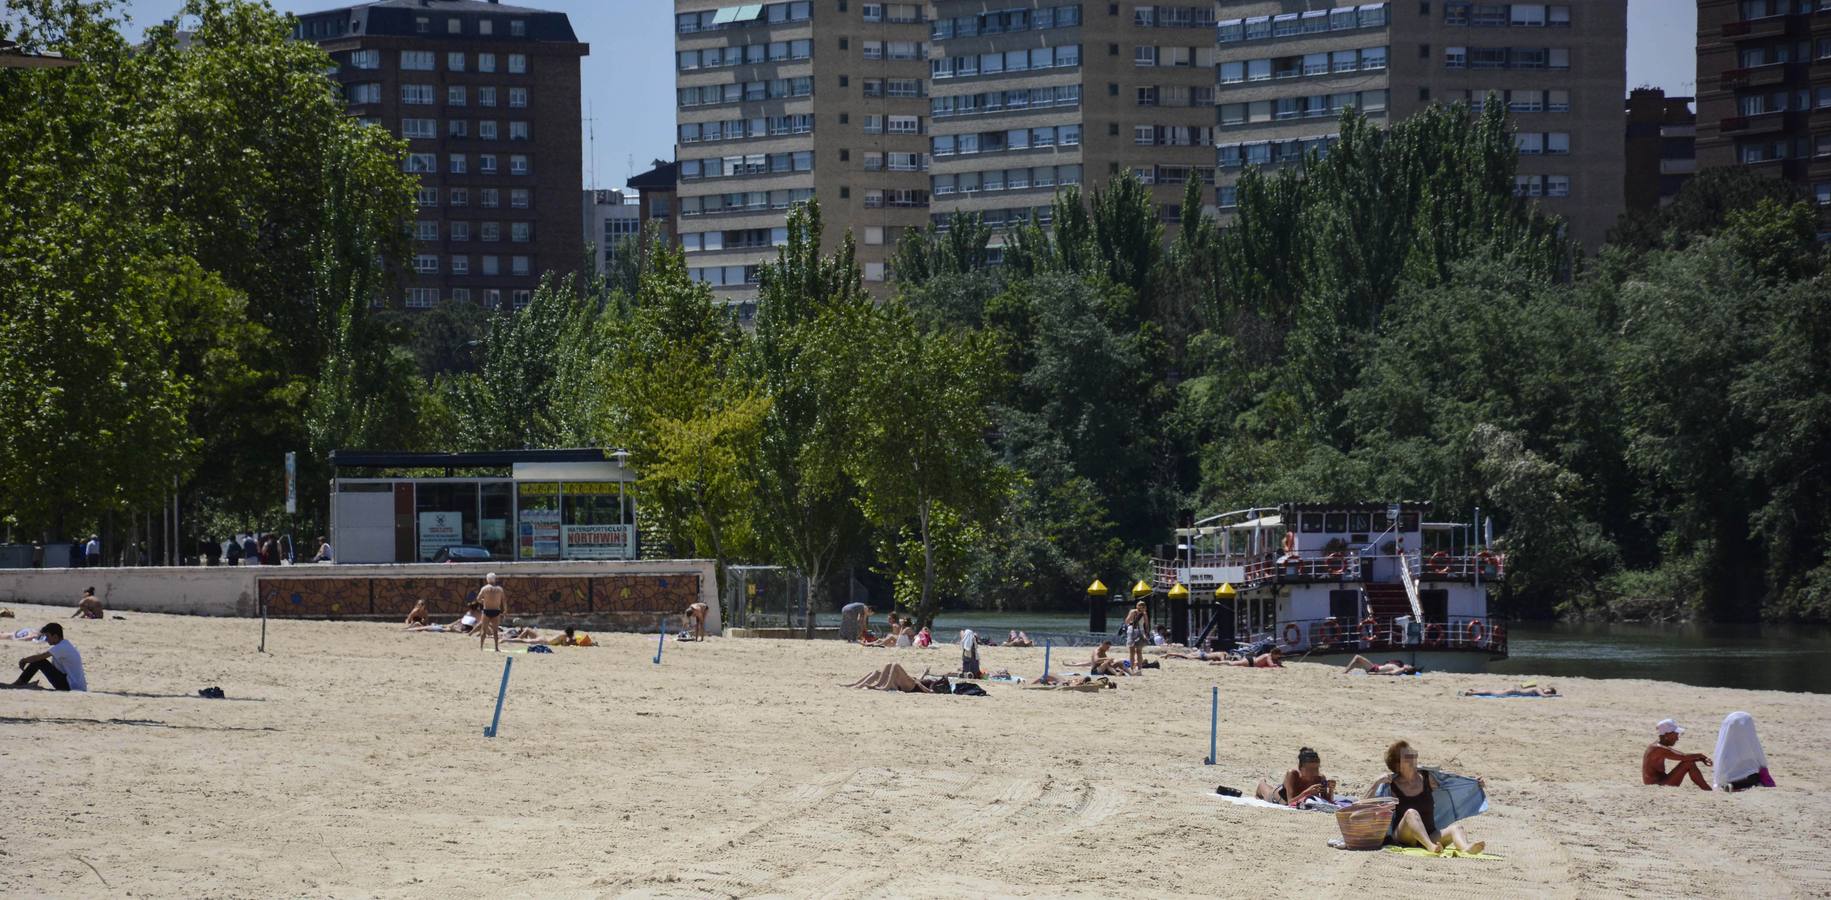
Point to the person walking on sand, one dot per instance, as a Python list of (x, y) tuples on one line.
[(89, 607), (1137, 631), (61, 665), (1660, 752), (495, 603), (696, 620)]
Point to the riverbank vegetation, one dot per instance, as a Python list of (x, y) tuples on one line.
[(1648, 425)]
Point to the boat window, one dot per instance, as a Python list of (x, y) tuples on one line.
[(1336, 523), (1345, 606), (1359, 522), (1311, 523), (1381, 521), (1408, 521), (1436, 539), (1237, 542), (1435, 604)]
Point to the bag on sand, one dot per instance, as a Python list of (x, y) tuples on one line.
[(1364, 824)]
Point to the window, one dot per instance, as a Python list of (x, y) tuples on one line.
[(426, 263), (491, 196), (486, 163), (1455, 57), (486, 96), (426, 230), (518, 164), (1557, 185), (486, 62), (1559, 58), (1527, 15), (417, 60), (518, 63), (365, 93), (460, 197), (416, 94), (492, 232), (455, 95), (460, 231), (422, 162), (365, 59), (518, 198), (1557, 143), (519, 232), (460, 265), (874, 271), (458, 163), (486, 129), (518, 28), (518, 97), (428, 197), (518, 265), (422, 24), (454, 61), (419, 128), (461, 295), (422, 298), (1557, 101), (518, 131), (491, 265), (905, 125), (522, 297)]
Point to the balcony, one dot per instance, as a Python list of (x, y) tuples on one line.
[(1755, 29), (1677, 166)]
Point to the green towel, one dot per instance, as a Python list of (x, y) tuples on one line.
[(1445, 853)]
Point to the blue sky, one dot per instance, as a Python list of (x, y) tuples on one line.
[(629, 76)]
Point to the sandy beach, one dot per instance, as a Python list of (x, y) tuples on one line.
[(349, 760)]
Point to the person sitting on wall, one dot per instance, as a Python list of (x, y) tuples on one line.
[(90, 607), (324, 551)]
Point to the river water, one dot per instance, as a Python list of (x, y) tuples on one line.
[(1756, 657)]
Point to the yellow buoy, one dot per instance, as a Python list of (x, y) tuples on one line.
[(1096, 589)]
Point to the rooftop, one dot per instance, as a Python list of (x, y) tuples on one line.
[(400, 18)]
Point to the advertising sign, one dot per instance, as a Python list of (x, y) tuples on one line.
[(292, 482), (438, 530), (537, 536), (596, 541)]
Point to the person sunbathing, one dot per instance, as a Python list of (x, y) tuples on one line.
[(464, 625), (1522, 691), (89, 607), (418, 615), (1101, 664), (522, 635), (1414, 820), (924, 638), (1389, 667), (1653, 762), (1300, 784), (892, 677), (889, 637), (1019, 639), (1271, 659)]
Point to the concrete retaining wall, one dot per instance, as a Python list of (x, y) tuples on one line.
[(636, 592)]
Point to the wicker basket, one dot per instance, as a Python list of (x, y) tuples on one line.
[(1364, 824)]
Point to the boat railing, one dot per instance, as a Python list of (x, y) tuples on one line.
[(1485, 564), (1325, 565), (1377, 634)]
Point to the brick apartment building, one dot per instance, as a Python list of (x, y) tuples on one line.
[(487, 97), (1287, 69), (1661, 147), (1764, 91)]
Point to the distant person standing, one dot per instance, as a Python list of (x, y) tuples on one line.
[(251, 550), (1137, 629), (495, 603), (270, 551), (854, 618), (61, 665), (92, 552), (232, 551)]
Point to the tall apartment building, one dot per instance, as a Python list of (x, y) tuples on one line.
[(487, 97), (781, 102), (611, 216), (1030, 96), (1287, 69), (1661, 147), (1764, 91)]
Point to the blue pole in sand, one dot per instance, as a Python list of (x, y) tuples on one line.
[(661, 641), (1214, 724), (1047, 646), (501, 693)]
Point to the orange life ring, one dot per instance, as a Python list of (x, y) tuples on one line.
[(1475, 632), (1292, 634), (1440, 563), (1490, 563), (1326, 634), (1338, 564), (1368, 628), (1433, 634)]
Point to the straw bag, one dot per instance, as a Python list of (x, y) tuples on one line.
[(1364, 824)]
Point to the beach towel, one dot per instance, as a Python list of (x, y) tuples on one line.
[(1455, 797), (1739, 755), (1445, 853), (1510, 694)]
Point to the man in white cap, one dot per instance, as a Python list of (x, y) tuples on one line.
[(1660, 752)]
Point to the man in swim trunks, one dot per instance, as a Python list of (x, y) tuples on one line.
[(495, 603), (696, 620), (1660, 752), (90, 607), (1389, 667)]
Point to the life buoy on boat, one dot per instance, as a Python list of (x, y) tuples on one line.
[(1326, 634), (1433, 634), (1338, 564), (1368, 629), (1490, 564), (1475, 632), (1440, 563), (1292, 634)]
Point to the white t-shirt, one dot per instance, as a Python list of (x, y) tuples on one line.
[(69, 662)]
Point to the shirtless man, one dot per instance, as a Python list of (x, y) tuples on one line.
[(495, 603), (418, 615), (1660, 752), (90, 607), (1101, 664), (696, 619), (1389, 667)]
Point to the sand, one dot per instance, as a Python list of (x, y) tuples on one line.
[(349, 760)]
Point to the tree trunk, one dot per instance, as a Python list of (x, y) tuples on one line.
[(925, 612)]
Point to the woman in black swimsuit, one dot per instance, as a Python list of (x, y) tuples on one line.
[(1414, 820)]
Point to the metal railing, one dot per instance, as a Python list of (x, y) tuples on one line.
[(1377, 634)]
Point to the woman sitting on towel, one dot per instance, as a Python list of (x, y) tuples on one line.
[(1301, 783), (1414, 821)]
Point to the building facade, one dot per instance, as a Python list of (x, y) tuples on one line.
[(1764, 91), (781, 102), (657, 193), (1287, 70), (487, 98), (1661, 147), (611, 216)]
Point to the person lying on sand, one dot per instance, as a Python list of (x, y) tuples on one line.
[(1071, 682), (1653, 762), (696, 620), (1389, 667), (892, 677), (1301, 783), (89, 607), (522, 635), (1414, 819), (464, 625), (418, 614), (1272, 659), (23, 634), (1521, 691)]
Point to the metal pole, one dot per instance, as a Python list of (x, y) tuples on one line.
[(1214, 726), (501, 694)]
